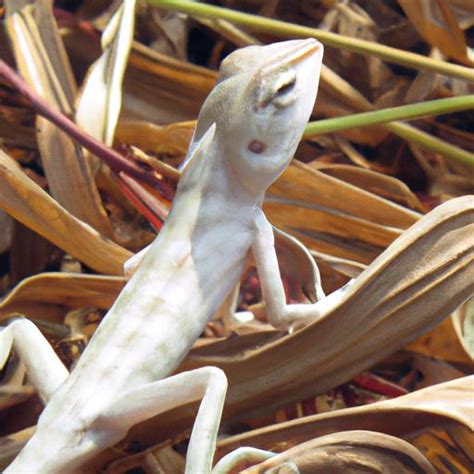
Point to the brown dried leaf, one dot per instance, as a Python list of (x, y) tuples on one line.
[(436, 22), (297, 264), (443, 342), (48, 296), (101, 98), (6, 231), (163, 90), (42, 61), (27, 202), (463, 323), (11, 395), (444, 452), (171, 139), (349, 451), (12, 390), (450, 401), (331, 216), (29, 253), (161, 459), (374, 182)]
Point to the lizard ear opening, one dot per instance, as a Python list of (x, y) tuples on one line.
[(256, 146)]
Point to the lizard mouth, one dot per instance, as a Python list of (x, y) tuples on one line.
[(304, 50)]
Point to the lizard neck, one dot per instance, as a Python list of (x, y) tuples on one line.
[(223, 183)]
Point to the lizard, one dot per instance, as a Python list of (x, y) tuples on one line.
[(246, 134)]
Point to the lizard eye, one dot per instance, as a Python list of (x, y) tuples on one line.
[(284, 93), (280, 91)]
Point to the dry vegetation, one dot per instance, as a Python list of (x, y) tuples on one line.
[(393, 359)]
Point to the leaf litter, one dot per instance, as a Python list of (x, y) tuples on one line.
[(383, 378)]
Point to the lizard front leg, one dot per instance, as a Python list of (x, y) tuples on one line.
[(45, 370), (208, 384), (280, 314)]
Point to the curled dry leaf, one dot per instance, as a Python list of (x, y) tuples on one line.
[(395, 300), (42, 61), (28, 203), (101, 99), (450, 401), (343, 266), (349, 451), (463, 322), (48, 296), (419, 280)]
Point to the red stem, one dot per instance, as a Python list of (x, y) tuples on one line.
[(114, 159)]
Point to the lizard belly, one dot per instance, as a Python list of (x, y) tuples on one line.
[(144, 338)]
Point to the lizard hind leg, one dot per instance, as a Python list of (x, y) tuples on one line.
[(208, 384), (45, 370)]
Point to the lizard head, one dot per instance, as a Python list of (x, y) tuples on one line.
[(261, 104)]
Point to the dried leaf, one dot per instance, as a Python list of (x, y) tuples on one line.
[(297, 264), (101, 99), (161, 459), (11, 395), (307, 203), (162, 89), (171, 139), (437, 24), (349, 451), (28, 203), (48, 296), (29, 254), (463, 323), (376, 183), (450, 401), (12, 390), (444, 452), (443, 342), (42, 61), (11, 445), (6, 231)]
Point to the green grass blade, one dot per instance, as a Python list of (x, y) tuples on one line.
[(284, 29)]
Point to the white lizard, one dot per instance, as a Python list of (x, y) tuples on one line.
[(247, 132)]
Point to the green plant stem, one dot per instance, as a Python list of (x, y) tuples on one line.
[(429, 142), (404, 112), (284, 29)]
